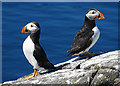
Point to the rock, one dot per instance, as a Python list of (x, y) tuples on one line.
[(96, 71), (105, 77), (117, 82)]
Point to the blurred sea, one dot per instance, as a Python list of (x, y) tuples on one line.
[(59, 22)]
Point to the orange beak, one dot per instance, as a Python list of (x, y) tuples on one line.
[(100, 15), (25, 30)]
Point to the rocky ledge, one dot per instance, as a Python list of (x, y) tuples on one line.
[(99, 70)]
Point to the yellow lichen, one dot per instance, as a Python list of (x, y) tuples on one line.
[(96, 67), (75, 83)]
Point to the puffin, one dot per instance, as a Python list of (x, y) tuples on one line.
[(88, 35), (33, 51)]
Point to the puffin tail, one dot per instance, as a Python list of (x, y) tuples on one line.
[(70, 54), (68, 51), (49, 65)]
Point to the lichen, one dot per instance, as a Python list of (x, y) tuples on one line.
[(75, 83), (96, 67)]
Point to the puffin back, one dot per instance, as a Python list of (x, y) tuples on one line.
[(39, 53)]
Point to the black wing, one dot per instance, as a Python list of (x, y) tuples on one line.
[(41, 58), (81, 41)]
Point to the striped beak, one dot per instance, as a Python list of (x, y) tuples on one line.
[(25, 30), (100, 15)]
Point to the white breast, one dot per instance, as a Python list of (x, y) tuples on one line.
[(28, 49), (95, 37)]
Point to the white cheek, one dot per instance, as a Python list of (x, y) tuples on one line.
[(91, 16), (32, 29)]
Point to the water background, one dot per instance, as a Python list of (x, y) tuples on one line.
[(59, 22)]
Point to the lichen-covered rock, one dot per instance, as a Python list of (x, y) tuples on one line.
[(101, 70), (117, 82), (105, 77)]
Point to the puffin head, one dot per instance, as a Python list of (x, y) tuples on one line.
[(92, 14), (31, 27)]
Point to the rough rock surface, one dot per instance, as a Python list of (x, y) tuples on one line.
[(101, 70)]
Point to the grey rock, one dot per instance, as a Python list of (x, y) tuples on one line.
[(117, 82), (98, 70), (105, 77)]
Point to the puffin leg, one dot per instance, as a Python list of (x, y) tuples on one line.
[(35, 72), (82, 55), (89, 53), (33, 75), (92, 54)]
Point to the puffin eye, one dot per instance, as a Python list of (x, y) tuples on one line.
[(93, 12), (31, 25)]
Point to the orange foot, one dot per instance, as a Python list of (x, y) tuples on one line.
[(88, 54), (32, 75)]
